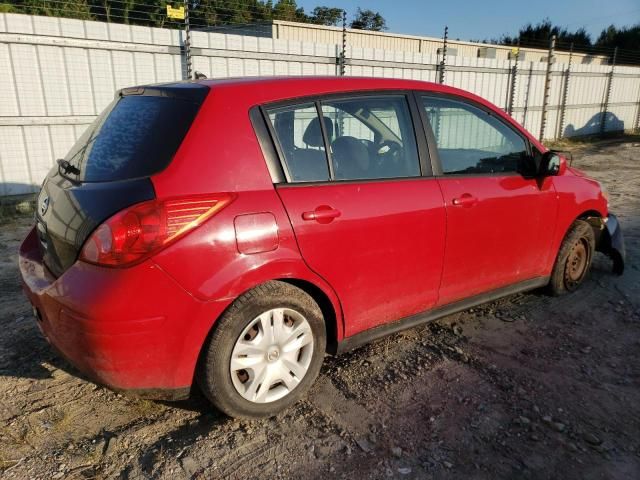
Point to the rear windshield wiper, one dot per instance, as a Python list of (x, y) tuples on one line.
[(66, 167)]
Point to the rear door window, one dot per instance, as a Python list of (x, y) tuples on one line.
[(368, 137), (298, 132), (135, 136), (372, 138)]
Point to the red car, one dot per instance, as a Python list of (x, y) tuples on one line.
[(231, 232)]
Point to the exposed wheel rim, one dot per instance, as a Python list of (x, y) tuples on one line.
[(272, 355), (577, 263)]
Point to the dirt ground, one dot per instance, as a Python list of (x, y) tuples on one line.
[(526, 387)]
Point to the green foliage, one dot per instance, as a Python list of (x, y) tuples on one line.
[(369, 20), (627, 38), (153, 13), (537, 36), (6, 8), (326, 16), (60, 8)]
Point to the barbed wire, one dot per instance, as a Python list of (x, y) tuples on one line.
[(214, 16)]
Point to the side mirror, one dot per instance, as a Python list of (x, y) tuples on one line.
[(552, 164)]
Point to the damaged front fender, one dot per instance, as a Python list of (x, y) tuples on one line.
[(611, 243)]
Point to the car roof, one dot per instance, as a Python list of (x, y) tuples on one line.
[(311, 85)]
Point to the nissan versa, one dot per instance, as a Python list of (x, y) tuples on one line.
[(230, 233)]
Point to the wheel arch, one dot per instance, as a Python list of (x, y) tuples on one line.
[(326, 306), (595, 219), (327, 301)]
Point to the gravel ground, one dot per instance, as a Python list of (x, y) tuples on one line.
[(526, 387)]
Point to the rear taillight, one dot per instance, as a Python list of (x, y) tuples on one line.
[(141, 230)]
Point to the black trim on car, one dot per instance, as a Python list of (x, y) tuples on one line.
[(424, 152), (427, 134), (375, 333), (326, 140), (268, 146), (348, 182)]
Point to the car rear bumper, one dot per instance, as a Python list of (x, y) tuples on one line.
[(612, 243), (132, 329)]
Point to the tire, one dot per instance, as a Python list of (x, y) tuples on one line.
[(245, 334), (574, 259)]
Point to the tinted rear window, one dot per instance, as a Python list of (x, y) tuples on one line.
[(136, 136)]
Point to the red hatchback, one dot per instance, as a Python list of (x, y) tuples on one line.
[(231, 232)]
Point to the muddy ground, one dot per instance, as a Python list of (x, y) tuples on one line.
[(527, 387)]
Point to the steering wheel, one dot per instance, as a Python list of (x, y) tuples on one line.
[(388, 151)]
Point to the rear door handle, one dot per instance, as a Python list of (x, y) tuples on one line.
[(465, 200), (322, 214)]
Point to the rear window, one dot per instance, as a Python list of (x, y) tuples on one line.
[(136, 136)]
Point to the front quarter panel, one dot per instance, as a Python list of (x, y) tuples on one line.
[(577, 195)]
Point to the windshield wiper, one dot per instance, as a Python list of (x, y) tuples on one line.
[(66, 167)]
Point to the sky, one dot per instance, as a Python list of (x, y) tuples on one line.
[(485, 19)]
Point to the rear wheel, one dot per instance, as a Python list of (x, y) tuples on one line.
[(264, 352), (574, 259)]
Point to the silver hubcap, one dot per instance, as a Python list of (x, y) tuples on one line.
[(272, 355)]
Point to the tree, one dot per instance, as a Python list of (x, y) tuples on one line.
[(326, 16), (537, 36), (288, 10), (627, 38), (62, 8), (369, 20), (202, 13)]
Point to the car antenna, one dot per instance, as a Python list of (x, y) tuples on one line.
[(199, 75)]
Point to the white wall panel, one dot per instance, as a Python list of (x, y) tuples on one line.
[(8, 92), (54, 80), (79, 78), (57, 74)]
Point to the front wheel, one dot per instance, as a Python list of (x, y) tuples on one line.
[(264, 352), (574, 259)]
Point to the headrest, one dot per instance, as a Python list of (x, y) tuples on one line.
[(313, 134), (351, 158)]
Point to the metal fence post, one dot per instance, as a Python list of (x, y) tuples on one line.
[(565, 94), (343, 53), (443, 62), (607, 94), (526, 96), (547, 87), (508, 92), (636, 128), (187, 39), (514, 77)]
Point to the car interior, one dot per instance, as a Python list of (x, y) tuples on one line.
[(362, 145)]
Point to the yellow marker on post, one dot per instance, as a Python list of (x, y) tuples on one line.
[(177, 13)]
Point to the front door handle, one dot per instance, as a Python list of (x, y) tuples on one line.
[(465, 200), (322, 214)]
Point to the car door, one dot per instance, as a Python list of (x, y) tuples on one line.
[(364, 216), (500, 216)]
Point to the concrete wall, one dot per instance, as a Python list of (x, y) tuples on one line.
[(58, 74), (305, 32)]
